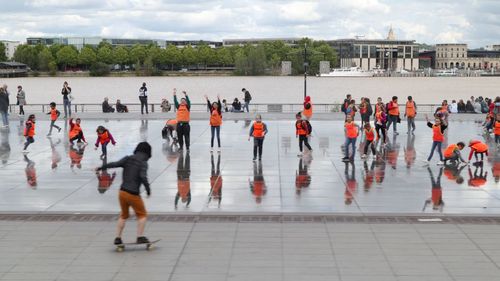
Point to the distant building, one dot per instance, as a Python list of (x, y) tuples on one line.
[(193, 43), (13, 69), (79, 42), (390, 54), (458, 56), (493, 47), (10, 47), (255, 41)]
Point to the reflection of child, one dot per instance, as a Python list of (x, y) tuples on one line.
[(30, 172), (477, 180), (258, 185), (437, 193), (105, 180)]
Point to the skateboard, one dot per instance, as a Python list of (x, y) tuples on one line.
[(149, 246)]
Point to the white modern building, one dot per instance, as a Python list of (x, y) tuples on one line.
[(10, 47)]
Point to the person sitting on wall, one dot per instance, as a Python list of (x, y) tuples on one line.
[(120, 107), (236, 106), (106, 107)]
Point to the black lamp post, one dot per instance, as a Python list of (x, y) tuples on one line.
[(306, 64)]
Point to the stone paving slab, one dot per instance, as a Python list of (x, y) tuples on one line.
[(249, 251)]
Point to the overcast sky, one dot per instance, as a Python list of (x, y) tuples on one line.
[(476, 22)]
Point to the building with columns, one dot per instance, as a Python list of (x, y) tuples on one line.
[(459, 56)]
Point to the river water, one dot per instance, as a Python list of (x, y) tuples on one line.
[(263, 89)]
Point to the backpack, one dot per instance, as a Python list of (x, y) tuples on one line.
[(309, 127), (344, 107), (369, 109)]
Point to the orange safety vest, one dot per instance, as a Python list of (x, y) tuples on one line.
[(105, 180), (301, 131), (448, 152), (216, 184), (410, 109), (258, 188), (31, 131), (394, 111), (184, 187), (479, 147), (183, 113), (104, 137), (370, 134), (172, 122), (436, 133), (308, 112), (53, 114), (437, 194), (351, 130), (497, 128), (258, 130), (75, 130), (215, 118)]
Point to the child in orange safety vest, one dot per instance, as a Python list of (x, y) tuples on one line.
[(438, 129), (258, 131), (478, 148), (215, 121), (104, 137), (452, 153), (29, 132), (496, 130), (302, 131), (351, 134), (369, 140), (54, 114), (183, 118), (410, 113), (75, 131)]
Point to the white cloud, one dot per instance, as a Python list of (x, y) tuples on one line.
[(449, 37), (299, 12)]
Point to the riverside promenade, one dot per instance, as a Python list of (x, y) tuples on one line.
[(285, 218)]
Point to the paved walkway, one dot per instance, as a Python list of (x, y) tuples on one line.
[(69, 250), (57, 177)]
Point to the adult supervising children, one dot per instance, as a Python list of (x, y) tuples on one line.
[(67, 97), (135, 168), (143, 98), (258, 131), (215, 121), (183, 117)]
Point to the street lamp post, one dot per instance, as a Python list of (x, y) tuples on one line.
[(305, 70)]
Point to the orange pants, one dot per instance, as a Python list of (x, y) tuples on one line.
[(128, 200)]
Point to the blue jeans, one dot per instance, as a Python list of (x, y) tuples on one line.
[(392, 119), (215, 131), (434, 145), (352, 142), (5, 117), (67, 107), (247, 103)]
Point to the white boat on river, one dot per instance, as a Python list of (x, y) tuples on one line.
[(348, 72)]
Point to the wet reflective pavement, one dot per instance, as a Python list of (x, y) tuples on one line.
[(58, 177)]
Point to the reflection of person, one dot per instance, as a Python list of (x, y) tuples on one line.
[(452, 172), (215, 182), (30, 172), (380, 167), (104, 179), (4, 147), (392, 153), (479, 177), (135, 169), (302, 177), (258, 185), (410, 153), (56, 157), (351, 184), (76, 155), (183, 181), (437, 192), (495, 169), (368, 175)]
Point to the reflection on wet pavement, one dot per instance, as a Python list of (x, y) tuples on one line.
[(59, 177)]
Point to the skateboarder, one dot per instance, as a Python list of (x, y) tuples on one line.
[(134, 174)]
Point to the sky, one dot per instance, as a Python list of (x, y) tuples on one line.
[(475, 22)]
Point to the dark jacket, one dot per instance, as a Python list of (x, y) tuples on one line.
[(135, 168), (4, 102)]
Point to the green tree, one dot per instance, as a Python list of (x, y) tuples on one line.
[(257, 60), (105, 55), (173, 56), (224, 56), (52, 68), (54, 49), (138, 53), (121, 56), (241, 62), (155, 54), (67, 56), (3, 55), (28, 55), (87, 56), (206, 55), (44, 59), (188, 55)]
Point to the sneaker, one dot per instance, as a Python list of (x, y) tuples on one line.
[(25, 151), (218, 150), (142, 240), (211, 150), (260, 158), (364, 156), (425, 163), (118, 241), (254, 159), (48, 135), (299, 154), (440, 163)]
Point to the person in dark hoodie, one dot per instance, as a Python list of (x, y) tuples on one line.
[(135, 168)]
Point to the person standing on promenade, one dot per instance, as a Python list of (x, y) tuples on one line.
[(345, 105), (183, 118), (135, 174), (365, 109), (143, 98), (215, 121), (496, 129), (258, 131), (351, 134), (247, 99), (67, 97), (4, 106), (393, 114), (308, 108), (54, 114), (104, 137), (21, 99), (369, 141), (75, 131), (302, 131), (438, 129), (410, 113), (29, 132), (380, 122)]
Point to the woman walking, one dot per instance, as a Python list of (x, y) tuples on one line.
[(215, 121), (21, 99)]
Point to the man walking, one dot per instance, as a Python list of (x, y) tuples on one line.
[(143, 97), (247, 99)]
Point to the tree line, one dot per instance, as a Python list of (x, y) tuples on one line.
[(260, 59)]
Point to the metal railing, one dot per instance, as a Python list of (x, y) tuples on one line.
[(202, 107)]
